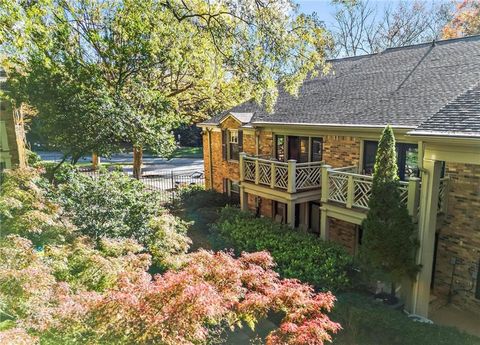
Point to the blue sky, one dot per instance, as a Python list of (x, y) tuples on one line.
[(323, 8)]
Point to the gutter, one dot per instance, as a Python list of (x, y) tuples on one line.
[(210, 160)]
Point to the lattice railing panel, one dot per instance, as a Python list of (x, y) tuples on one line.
[(362, 192), (338, 185), (442, 195), (249, 170), (308, 177), (264, 172), (281, 177), (403, 188)]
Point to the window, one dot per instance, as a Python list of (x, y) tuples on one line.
[(407, 159), (317, 147), (280, 147), (234, 190), (233, 145), (279, 212), (304, 141)]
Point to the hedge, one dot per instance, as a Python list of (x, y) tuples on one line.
[(298, 254)]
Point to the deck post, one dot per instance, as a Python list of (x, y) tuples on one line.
[(350, 191), (291, 213), (413, 197), (257, 171), (323, 223), (292, 176), (273, 174), (426, 233), (325, 183), (242, 165), (243, 199)]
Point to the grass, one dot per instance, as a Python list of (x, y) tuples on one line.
[(188, 152)]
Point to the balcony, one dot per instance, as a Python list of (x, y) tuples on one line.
[(291, 177), (347, 188)]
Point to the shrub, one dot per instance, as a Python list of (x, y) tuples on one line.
[(367, 322), (83, 266), (195, 197), (298, 255), (26, 209), (117, 206)]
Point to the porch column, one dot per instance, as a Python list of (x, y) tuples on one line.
[(243, 199), (291, 213), (426, 234), (323, 224)]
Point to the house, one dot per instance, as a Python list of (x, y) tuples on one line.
[(12, 134), (309, 163)]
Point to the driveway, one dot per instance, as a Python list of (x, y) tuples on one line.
[(151, 164)]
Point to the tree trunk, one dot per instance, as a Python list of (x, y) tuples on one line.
[(137, 161), (95, 161)]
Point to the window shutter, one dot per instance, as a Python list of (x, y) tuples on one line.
[(224, 144), (240, 140)]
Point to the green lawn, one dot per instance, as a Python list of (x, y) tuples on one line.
[(188, 152)]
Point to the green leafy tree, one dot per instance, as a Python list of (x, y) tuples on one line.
[(117, 206), (104, 73), (388, 247)]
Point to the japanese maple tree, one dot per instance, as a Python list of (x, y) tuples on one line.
[(190, 306)]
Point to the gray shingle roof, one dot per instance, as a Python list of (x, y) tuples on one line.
[(460, 117), (400, 86)]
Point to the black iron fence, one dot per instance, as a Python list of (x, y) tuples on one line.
[(166, 183)]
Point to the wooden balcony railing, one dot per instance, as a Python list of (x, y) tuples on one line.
[(345, 186), (290, 176)]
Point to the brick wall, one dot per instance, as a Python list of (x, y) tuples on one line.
[(459, 235), (221, 168), (344, 233), (265, 143), (341, 151), (265, 205)]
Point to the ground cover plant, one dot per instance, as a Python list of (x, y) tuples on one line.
[(367, 322)]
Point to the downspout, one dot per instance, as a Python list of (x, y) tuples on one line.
[(210, 162)]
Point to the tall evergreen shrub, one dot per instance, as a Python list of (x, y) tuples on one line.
[(389, 244)]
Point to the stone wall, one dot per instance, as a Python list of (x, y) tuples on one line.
[(459, 236), (344, 233)]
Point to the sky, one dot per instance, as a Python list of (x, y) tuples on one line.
[(323, 8)]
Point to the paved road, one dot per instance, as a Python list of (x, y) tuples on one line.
[(151, 164)]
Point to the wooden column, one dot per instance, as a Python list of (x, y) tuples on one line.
[(291, 213), (413, 197), (325, 183), (243, 199), (292, 176), (323, 224), (242, 165), (426, 232)]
